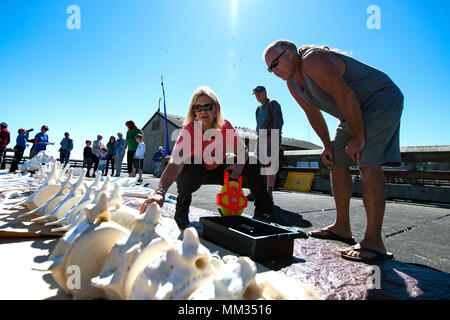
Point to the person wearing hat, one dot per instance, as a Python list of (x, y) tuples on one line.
[(19, 149), (5, 138), (268, 117), (40, 142), (66, 146), (157, 157)]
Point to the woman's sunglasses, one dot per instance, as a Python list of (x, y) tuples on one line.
[(275, 61), (206, 107)]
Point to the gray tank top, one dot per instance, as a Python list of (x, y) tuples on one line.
[(372, 87)]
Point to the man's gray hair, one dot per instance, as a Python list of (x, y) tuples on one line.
[(281, 45), (286, 44)]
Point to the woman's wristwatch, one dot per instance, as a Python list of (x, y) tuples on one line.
[(160, 191)]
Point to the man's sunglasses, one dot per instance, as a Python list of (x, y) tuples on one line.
[(206, 107), (274, 63)]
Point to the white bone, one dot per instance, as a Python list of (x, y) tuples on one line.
[(129, 256), (234, 281), (53, 202), (86, 249), (34, 164), (80, 216), (47, 190), (79, 206), (176, 273), (77, 190)]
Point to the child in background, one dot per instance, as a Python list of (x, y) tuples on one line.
[(87, 157), (138, 160), (102, 160)]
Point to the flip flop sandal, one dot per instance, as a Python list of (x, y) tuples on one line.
[(332, 236), (379, 256)]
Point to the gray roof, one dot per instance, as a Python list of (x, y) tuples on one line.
[(288, 142), (177, 121)]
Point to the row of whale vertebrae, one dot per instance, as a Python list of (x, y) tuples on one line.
[(110, 251)]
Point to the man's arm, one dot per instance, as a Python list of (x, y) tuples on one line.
[(124, 147), (323, 69), (318, 124), (277, 116)]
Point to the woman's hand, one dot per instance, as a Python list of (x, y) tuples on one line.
[(235, 170), (158, 198)]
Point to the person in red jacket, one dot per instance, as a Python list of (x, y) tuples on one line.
[(5, 138)]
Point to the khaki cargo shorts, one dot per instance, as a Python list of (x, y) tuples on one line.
[(382, 129)]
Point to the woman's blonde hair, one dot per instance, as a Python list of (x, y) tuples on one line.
[(208, 92)]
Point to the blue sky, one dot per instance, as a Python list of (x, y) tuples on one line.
[(92, 80)]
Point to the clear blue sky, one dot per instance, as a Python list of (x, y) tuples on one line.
[(92, 80)]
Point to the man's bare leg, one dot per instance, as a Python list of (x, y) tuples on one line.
[(374, 198), (341, 183)]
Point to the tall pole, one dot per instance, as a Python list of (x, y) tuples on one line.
[(166, 151)]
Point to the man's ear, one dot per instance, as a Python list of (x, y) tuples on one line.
[(290, 54)]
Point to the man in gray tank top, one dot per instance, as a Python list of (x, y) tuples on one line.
[(368, 105)]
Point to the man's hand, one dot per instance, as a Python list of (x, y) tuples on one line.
[(354, 148), (235, 170), (327, 155), (158, 198)]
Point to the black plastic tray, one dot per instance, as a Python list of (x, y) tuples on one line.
[(260, 241)]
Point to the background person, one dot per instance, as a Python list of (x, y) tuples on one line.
[(5, 139), (138, 161), (97, 146), (111, 146), (102, 160), (40, 142), (193, 169), (131, 144), (368, 105), (66, 147), (157, 159), (269, 117), (87, 157), (118, 156), (19, 149)]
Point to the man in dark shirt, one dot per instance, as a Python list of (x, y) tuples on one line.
[(157, 157), (87, 157), (268, 117)]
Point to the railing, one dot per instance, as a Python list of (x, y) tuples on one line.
[(423, 175), (74, 163)]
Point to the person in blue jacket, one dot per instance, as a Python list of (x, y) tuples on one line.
[(66, 148), (157, 157), (19, 149)]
